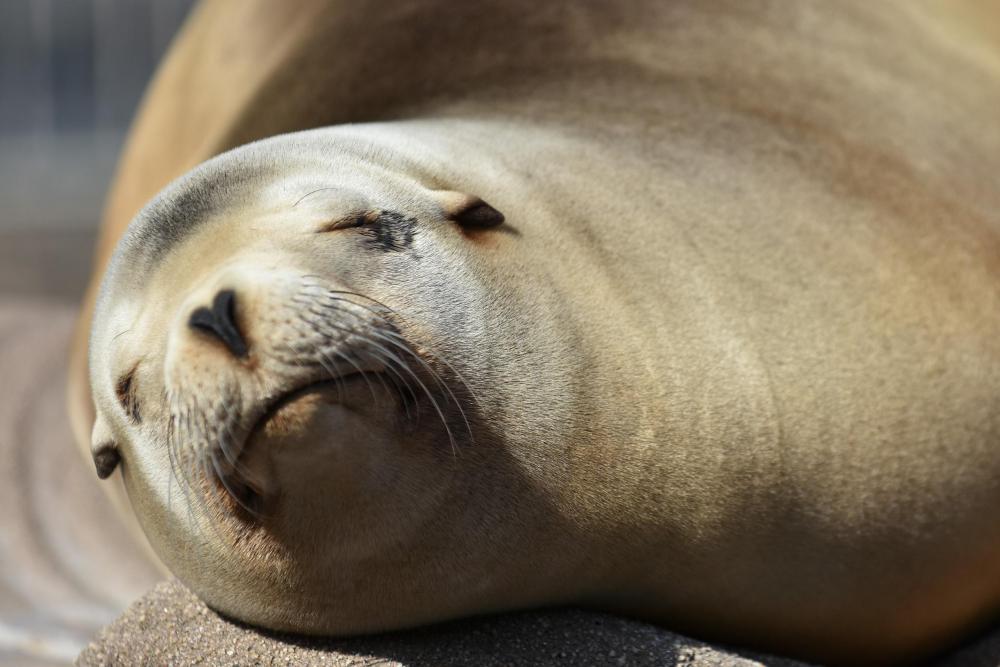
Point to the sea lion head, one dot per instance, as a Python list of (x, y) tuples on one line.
[(286, 357)]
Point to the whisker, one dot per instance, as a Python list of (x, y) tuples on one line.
[(399, 383), (382, 360), (362, 335), (443, 360), (324, 320), (404, 346), (309, 194), (430, 396), (185, 481), (337, 331), (229, 490), (333, 374), (434, 374), (232, 458)]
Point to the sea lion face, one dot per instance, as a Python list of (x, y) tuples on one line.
[(279, 356)]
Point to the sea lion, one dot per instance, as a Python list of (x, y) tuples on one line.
[(689, 321)]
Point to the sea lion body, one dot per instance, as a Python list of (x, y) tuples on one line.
[(730, 364)]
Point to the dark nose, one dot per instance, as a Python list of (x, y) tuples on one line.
[(220, 322)]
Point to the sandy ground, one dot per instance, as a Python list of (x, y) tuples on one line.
[(171, 626)]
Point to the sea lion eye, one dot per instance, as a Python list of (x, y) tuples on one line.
[(347, 222), (125, 390)]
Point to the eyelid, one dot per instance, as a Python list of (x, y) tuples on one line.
[(125, 390), (358, 219)]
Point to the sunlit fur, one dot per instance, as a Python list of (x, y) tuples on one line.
[(730, 365), (330, 334)]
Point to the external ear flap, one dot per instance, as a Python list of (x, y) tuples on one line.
[(106, 459), (467, 210), (103, 449)]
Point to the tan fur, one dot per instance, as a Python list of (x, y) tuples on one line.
[(740, 372)]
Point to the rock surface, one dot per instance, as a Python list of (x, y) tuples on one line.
[(172, 626)]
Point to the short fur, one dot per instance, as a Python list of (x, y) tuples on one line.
[(731, 363)]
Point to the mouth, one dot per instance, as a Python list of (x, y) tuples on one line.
[(241, 487)]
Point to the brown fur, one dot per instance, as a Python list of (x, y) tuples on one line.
[(790, 247)]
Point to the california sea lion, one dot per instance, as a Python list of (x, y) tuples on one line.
[(729, 363)]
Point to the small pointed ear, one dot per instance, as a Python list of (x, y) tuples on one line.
[(106, 459), (104, 449), (467, 210)]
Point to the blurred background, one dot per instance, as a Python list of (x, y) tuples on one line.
[(71, 75)]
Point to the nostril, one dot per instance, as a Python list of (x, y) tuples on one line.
[(220, 322)]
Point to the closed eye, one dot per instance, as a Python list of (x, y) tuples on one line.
[(126, 391), (365, 218)]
